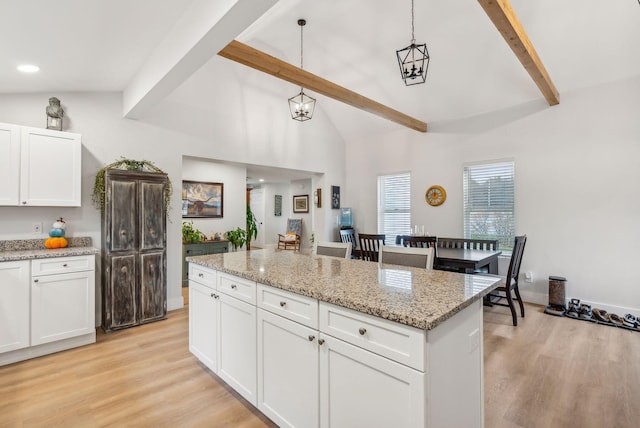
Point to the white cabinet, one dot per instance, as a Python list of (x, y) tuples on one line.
[(288, 388), (203, 324), (40, 167), (62, 299), (360, 388), (14, 305)]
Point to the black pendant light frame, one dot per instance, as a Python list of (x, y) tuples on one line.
[(414, 59), (302, 105)]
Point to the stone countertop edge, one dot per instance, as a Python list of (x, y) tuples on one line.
[(422, 306), (44, 253)]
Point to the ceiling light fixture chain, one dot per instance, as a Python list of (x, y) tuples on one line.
[(301, 105), (414, 59)]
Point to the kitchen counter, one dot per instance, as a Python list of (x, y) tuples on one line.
[(29, 249), (416, 297)]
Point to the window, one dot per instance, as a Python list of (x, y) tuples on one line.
[(394, 206), (489, 202)]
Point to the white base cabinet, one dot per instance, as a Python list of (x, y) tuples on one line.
[(14, 305), (55, 312), (321, 365)]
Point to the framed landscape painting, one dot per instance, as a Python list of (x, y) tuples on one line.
[(202, 200), (301, 204)]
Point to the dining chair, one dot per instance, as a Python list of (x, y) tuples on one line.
[(334, 249), (370, 246), (469, 244), (349, 235), (421, 257), (291, 239), (420, 241), (510, 282)]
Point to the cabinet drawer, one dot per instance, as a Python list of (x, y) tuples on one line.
[(397, 342), (239, 288), (202, 275), (57, 265), (293, 306)]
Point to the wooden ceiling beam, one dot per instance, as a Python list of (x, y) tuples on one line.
[(506, 21), (244, 54)]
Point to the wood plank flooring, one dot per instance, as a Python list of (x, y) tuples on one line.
[(547, 372)]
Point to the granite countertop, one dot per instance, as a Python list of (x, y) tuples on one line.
[(416, 297), (28, 249)]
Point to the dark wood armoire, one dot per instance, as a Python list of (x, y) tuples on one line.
[(134, 257)]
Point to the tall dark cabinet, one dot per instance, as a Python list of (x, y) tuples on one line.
[(134, 253)]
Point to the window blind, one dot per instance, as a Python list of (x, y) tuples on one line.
[(488, 191), (394, 206)]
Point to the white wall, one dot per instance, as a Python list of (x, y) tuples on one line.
[(577, 181), (106, 137)]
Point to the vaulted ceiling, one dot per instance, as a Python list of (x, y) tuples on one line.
[(94, 45)]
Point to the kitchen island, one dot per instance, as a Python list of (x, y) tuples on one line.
[(321, 341)]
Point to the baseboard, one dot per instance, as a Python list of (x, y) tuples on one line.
[(543, 299), (46, 348)]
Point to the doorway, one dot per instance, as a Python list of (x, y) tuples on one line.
[(256, 202)]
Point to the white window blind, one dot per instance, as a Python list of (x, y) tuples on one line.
[(394, 206), (489, 190)]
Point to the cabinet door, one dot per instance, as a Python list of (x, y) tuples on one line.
[(121, 218), (153, 292), (287, 371), (9, 164), (120, 308), (62, 306), (50, 168), (14, 305), (153, 218), (237, 339), (203, 324), (361, 389)]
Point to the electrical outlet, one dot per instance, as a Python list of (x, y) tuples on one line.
[(528, 276), (36, 228)]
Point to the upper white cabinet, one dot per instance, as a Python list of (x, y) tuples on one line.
[(41, 167)]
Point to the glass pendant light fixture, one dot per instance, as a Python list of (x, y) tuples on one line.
[(414, 59), (301, 105)]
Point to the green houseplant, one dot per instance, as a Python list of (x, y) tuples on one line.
[(237, 237), (191, 235), (252, 227)]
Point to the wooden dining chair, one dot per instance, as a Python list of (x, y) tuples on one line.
[(510, 282), (420, 241), (370, 246), (421, 257), (349, 235), (334, 249), (469, 244)]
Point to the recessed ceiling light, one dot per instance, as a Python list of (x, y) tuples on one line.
[(28, 68), (261, 180)]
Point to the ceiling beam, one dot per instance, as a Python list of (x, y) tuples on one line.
[(506, 21), (239, 52)]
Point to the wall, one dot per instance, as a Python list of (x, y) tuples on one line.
[(106, 137), (576, 185)]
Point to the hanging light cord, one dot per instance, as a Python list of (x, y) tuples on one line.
[(413, 36), (301, 41)]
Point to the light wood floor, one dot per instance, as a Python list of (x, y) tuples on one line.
[(547, 372)]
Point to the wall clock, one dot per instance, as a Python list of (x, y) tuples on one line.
[(435, 195)]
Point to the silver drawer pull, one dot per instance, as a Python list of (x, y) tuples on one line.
[(311, 337), (65, 265), (201, 275), (362, 331), (212, 295), (283, 304), (35, 280), (233, 286), (320, 341)]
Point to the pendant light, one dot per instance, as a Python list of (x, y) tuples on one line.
[(414, 59), (301, 105)]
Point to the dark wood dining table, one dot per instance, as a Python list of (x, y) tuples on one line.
[(466, 261)]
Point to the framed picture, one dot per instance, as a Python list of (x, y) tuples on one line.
[(335, 197), (301, 204), (202, 200), (317, 198), (277, 206)]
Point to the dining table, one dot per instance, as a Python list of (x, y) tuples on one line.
[(466, 260)]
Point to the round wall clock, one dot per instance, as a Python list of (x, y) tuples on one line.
[(435, 195)]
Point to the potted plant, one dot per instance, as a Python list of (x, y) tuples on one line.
[(252, 227), (237, 237), (191, 235)]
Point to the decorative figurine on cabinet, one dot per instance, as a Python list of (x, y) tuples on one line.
[(56, 235), (55, 113)]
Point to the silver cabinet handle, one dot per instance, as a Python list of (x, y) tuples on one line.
[(233, 286), (320, 341), (201, 275), (65, 265), (36, 280), (362, 331), (282, 304), (311, 337), (24, 202), (212, 294)]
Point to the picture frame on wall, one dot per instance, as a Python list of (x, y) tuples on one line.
[(202, 199), (335, 197), (277, 205), (301, 204)]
